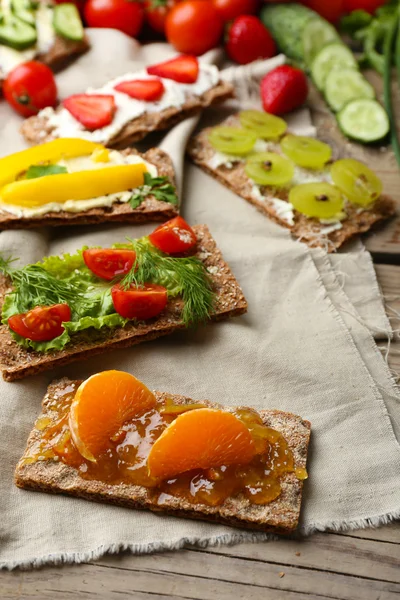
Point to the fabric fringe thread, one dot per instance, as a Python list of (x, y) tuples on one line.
[(222, 540)]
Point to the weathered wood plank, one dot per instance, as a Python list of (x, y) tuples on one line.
[(388, 533), (195, 575)]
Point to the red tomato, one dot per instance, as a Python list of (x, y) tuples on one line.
[(30, 87), (248, 39), (174, 236), (230, 9), (156, 13), (369, 5), (125, 15), (42, 323), (142, 302), (109, 263), (194, 27), (331, 11)]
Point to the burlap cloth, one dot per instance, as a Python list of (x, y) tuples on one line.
[(305, 346)]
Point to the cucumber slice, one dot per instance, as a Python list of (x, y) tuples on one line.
[(364, 120), (343, 86), (332, 56), (67, 22), (316, 35), (17, 34), (23, 10)]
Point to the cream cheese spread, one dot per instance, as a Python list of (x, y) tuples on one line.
[(11, 58), (334, 227), (283, 209), (128, 109), (83, 163)]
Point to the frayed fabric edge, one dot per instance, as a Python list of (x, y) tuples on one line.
[(229, 539)]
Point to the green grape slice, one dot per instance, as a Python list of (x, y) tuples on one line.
[(320, 200), (306, 152), (264, 125), (269, 168), (232, 140), (357, 182)]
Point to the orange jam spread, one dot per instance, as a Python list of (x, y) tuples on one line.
[(125, 458)]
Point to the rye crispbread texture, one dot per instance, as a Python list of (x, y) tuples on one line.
[(306, 229), (150, 209), (280, 516), (37, 130), (16, 362)]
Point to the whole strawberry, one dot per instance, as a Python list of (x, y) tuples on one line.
[(283, 89), (248, 39)]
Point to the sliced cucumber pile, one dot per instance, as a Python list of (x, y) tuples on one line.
[(364, 120), (19, 23), (67, 22), (332, 56), (344, 85), (316, 35)]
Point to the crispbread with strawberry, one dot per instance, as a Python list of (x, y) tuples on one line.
[(292, 179), (129, 107)]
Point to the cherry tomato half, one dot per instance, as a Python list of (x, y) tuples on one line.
[(109, 263), (142, 302), (194, 27), (174, 236), (42, 323), (125, 15), (30, 87)]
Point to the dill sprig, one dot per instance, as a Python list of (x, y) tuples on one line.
[(186, 277), (34, 286)]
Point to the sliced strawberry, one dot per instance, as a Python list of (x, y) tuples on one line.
[(92, 110), (183, 68), (149, 90)]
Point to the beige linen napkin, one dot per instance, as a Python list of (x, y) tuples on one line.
[(295, 350)]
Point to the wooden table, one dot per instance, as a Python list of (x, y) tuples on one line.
[(358, 565)]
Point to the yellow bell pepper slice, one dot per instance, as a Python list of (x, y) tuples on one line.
[(14, 164), (82, 185)]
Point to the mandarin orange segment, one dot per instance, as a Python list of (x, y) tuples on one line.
[(102, 404), (200, 439)]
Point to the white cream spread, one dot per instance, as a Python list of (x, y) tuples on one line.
[(175, 95), (83, 163), (330, 228), (11, 58), (283, 209)]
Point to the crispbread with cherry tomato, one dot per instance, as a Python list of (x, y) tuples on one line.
[(180, 290), (97, 112), (292, 179)]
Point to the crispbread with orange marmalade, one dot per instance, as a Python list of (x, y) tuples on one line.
[(48, 472)]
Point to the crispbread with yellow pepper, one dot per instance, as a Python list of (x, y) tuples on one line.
[(150, 209), (273, 202), (280, 516)]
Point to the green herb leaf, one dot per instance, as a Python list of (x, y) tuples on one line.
[(36, 171), (159, 187), (184, 277)]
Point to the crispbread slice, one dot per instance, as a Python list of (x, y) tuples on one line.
[(150, 209), (279, 516), (37, 130), (308, 230), (16, 362)]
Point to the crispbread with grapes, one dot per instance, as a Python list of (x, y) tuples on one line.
[(151, 209), (17, 362), (309, 230), (280, 516)]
